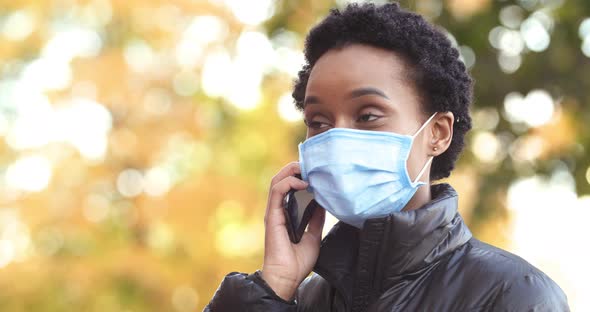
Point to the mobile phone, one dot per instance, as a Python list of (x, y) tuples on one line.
[(298, 207)]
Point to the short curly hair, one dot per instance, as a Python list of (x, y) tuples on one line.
[(435, 68)]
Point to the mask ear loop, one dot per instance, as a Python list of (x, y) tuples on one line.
[(424, 125), (429, 161)]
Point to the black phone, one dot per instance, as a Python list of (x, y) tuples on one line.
[(298, 207)]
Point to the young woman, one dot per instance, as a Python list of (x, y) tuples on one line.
[(386, 102)]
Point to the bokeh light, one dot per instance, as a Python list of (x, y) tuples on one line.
[(509, 63), (18, 25), (66, 44), (584, 30), (96, 208), (487, 147), (467, 56), (201, 32), (536, 109), (185, 299), (139, 55), (511, 43), (157, 182), (15, 240), (511, 16), (29, 173), (535, 35), (252, 13), (130, 182), (486, 118), (185, 83), (550, 202), (586, 46), (287, 109), (527, 149)]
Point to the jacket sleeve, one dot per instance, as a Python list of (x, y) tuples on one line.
[(532, 292), (243, 292), (315, 294)]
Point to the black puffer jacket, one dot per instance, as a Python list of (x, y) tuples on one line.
[(420, 260)]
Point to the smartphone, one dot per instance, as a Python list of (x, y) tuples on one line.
[(298, 207)]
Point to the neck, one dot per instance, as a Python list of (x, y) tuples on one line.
[(421, 198)]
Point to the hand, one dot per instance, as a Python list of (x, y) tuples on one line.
[(286, 264)]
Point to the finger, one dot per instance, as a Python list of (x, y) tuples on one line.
[(316, 224), (274, 221), (274, 213), (290, 169)]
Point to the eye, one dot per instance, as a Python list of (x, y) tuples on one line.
[(315, 124), (368, 117)]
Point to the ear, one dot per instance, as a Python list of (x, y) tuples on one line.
[(441, 132)]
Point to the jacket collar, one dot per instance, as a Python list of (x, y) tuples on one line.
[(388, 248)]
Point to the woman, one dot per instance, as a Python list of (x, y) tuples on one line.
[(385, 99)]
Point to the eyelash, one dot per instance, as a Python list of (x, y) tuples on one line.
[(314, 124), (370, 115), (319, 125)]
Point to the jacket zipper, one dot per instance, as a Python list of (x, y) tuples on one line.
[(364, 291), (382, 257)]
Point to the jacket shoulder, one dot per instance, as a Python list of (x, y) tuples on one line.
[(517, 284)]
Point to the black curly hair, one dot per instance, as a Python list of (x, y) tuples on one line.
[(434, 65)]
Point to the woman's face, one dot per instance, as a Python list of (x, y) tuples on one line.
[(366, 88)]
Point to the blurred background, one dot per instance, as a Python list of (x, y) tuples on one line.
[(138, 140)]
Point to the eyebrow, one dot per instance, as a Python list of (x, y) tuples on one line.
[(311, 100), (353, 94), (367, 91)]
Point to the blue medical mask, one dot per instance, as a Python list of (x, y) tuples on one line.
[(359, 174)]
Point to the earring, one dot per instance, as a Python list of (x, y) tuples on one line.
[(435, 148)]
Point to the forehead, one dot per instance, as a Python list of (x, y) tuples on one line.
[(358, 65)]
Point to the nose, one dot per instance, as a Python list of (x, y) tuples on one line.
[(344, 122)]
